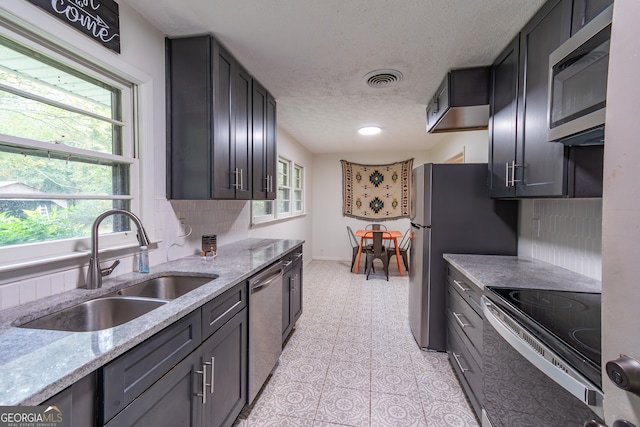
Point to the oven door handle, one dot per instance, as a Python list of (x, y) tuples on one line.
[(542, 357)]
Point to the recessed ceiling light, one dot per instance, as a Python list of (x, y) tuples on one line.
[(369, 130)]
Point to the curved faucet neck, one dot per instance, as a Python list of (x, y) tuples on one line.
[(95, 273)]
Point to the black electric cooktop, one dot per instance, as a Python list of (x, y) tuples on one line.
[(569, 322)]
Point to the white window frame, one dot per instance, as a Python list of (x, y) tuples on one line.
[(298, 187), (25, 255), (276, 215)]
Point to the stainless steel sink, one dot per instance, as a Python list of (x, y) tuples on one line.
[(166, 287), (97, 314)]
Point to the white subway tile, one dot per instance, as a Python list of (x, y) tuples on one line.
[(43, 287), (10, 295), (27, 291)]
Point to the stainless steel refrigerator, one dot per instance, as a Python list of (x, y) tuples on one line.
[(451, 212)]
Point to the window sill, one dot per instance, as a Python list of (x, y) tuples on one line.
[(42, 265), (276, 220)]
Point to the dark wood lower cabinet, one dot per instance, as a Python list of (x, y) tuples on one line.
[(171, 401), (76, 403), (207, 388), (226, 350), (291, 293)]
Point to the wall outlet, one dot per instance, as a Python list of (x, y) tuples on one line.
[(535, 227)]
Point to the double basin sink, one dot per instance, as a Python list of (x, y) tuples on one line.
[(120, 307)]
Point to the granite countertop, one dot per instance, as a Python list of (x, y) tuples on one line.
[(516, 272), (36, 364)]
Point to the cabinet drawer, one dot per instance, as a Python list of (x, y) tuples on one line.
[(129, 375), (461, 314), (469, 291), (291, 258), (218, 311), (469, 372), (168, 402)]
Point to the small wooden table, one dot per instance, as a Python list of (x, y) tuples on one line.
[(389, 235)]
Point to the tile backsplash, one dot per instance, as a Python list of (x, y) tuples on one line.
[(568, 234)]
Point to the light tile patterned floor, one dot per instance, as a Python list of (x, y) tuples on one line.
[(352, 361)]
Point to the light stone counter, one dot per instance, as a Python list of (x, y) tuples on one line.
[(37, 364), (515, 272)]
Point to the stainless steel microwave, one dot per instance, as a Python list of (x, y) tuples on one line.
[(578, 72)]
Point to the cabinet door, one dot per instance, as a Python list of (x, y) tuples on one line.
[(502, 121), (296, 293), (128, 376), (543, 163), (287, 321), (585, 10), (259, 130), (224, 355), (171, 401), (271, 148), (189, 115), (242, 138), (76, 403), (225, 177)]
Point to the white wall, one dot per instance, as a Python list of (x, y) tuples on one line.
[(330, 240), (474, 144)]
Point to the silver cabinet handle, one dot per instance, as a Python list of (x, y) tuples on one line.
[(266, 185), (204, 383), (213, 370), (506, 174), (461, 285), (241, 180), (511, 181), (460, 322), (455, 357), (235, 178)]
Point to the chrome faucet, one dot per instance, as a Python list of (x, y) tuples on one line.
[(95, 273)]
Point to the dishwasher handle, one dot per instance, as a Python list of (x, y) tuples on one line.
[(265, 279)]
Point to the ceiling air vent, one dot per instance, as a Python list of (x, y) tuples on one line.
[(382, 78)]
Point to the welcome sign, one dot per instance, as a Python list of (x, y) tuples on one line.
[(98, 19)]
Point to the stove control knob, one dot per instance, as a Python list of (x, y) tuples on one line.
[(625, 373)]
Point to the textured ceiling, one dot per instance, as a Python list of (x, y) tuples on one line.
[(312, 55)]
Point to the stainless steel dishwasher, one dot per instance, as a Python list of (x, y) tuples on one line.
[(265, 326)]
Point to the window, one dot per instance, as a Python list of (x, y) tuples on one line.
[(66, 147), (284, 187), (298, 189), (290, 195)]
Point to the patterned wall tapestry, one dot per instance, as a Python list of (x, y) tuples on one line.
[(376, 192)]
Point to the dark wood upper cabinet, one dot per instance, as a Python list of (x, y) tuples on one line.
[(522, 163), (264, 143), (502, 120), (584, 11), (541, 163), (461, 101), (210, 123)]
